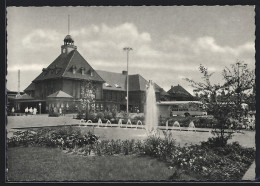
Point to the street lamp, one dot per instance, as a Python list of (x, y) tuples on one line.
[(40, 104), (127, 49)]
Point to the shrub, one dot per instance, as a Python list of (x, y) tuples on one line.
[(100, 115), (65, 137), (108, 115), (158, 147)]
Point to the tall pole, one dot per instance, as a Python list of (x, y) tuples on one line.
[(127, 49), (68, 24), (239, 100), (18, 90)]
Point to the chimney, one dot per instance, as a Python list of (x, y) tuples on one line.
[(171, 86), (124, 72)]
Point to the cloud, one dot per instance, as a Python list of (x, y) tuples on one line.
[(32, 67), (165, 60), (39, 39)]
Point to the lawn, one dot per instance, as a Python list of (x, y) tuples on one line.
[(51, 164)]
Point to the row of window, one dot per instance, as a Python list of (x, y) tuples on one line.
[(82, 71)]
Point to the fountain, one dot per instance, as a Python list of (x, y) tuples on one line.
[(151, 118)]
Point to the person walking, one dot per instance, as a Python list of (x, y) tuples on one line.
[(26, 111), (60, 111), (34, 111), (13, 111), (31, 111)]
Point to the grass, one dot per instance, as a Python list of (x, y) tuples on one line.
[(51, 164)]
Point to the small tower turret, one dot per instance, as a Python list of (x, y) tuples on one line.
[(68, 41)]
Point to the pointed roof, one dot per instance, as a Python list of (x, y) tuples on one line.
[(62, 66), (30, 87), (59, 94), (179, 91), (117, 81)]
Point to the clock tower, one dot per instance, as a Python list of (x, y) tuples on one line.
[(68, 45)]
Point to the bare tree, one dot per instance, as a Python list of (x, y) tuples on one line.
[(223, 101)]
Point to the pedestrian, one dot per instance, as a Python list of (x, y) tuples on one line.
[(60, 111), (13, 111), (26, 111), (55, 110), (34, 111), (31, 111)]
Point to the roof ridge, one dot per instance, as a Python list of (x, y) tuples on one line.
[(110, 72), (68, 63)]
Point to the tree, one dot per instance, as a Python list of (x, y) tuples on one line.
[(87, 96), (241, 82), (220, 99)]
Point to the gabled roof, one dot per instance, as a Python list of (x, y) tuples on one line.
[(136, 81), (179, 91), (61, 67), (30, 87), (60, 94)]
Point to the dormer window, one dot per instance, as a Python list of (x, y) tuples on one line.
[(45, 71), (107, 85), (117, 86), (91, 73), (82, 70), (74, 69)]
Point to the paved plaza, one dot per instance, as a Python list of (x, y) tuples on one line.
[(247, 138)]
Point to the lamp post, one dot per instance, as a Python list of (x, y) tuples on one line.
[(238, 91), (127, 49), (40, 107)]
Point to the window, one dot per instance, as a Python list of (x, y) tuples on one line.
[(74, 69), (117, 86), (107, 85), (91, 73), (82, 70)]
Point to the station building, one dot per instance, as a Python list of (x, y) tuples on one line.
[(59, 85)]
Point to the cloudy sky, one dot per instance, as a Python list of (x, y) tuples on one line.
[(168, 43)]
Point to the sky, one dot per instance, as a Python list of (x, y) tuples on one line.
[(169, 43)]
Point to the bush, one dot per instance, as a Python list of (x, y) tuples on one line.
[(81, 114), (214, 162), (100, 115), (158, 147), (65, 137), (108, 115)]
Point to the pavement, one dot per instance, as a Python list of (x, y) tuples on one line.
[(250, 173)]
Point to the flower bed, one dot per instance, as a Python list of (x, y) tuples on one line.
[(208, 161)]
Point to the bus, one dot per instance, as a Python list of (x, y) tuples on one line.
[(181, 108)]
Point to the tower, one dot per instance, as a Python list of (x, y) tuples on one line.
[(68, 45), (18, 91)]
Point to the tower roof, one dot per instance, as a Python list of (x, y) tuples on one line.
[(68, 39), (62, 67)]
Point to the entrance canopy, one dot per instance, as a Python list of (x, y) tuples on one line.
[(59, 94)]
